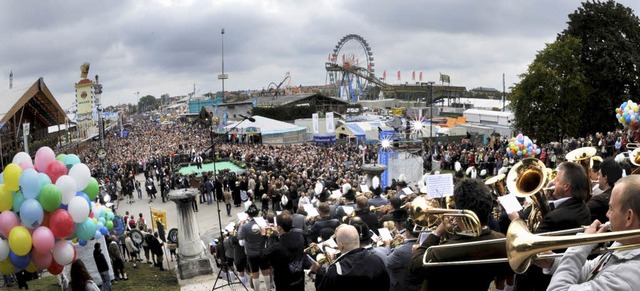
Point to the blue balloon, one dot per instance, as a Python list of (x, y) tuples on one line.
[(85, 196), (2, 177), (97, 234), (82, 242), (104, 230), (628, 118), (18, 199), (29, 183), (71, 160), (44, 179), (64, 206), (31, 213), (86, 229), (20, 262), (519, 154)]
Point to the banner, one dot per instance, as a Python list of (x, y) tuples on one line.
[(413, 76), (445, 78), (420, 76), (315, 123), (158, 214), (384, 75), (330, 125), (398, 75)]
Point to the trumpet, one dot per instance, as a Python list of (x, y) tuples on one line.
[(424, 215), (324, 257)]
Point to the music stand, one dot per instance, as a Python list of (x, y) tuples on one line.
[(223, 261)]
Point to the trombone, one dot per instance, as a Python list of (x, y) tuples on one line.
[(522, 246)]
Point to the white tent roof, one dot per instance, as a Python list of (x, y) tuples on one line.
[(266, 125)]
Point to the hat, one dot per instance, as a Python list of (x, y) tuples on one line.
[(252, 210), (400, 215), (349, 195), (364, 232), (402, 183)]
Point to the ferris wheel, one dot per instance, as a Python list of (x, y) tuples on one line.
[(350, 67)]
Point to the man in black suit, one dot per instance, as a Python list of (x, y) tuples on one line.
[(568, 210)]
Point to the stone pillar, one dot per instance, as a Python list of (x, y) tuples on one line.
[(192, 257), (373, 170)]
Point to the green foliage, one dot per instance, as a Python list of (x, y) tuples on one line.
[(574, 84), (610, 56), (289, 112), (551, 95), (148, 103)]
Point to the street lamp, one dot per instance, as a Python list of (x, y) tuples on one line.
[(222, 76), (430, 84)]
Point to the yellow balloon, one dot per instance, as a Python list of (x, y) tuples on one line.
[(6, 198), (635, 108), (20, 240), (11, 176), (74, 240), (6, 267), (31, 267)]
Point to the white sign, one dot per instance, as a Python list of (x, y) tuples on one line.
[(315, 119), (439, 186), (330, 124), (25, 128)]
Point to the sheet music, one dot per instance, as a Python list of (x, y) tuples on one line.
[(510, 203), (261, 222), (336, 194), (407, 190), (311, 211), (330, 242), (242, 216), (385, 234), (439, 186), (247, 204), (347, 209), (231, 226), (364, 188)]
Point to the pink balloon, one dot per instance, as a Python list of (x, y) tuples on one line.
[(56, 169), (25, 165), (42, 260), (44, 156), (8, 220), (43, 240)]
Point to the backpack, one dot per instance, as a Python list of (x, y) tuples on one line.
[(140, 223)]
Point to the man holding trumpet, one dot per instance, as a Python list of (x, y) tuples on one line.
[(615, 270)]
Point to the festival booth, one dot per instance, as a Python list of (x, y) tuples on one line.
[(272, 131)]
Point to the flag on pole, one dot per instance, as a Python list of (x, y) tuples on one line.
[(420, 76), (398, 75), (413, 76), (384, 75), (445, 78), (158, 214)]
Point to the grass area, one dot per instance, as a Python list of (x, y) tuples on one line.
[(145, 278)]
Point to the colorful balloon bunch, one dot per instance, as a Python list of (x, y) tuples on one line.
[(627, 114), (522, 146), (45, 205)]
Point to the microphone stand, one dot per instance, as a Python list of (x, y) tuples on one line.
[(223, 260)]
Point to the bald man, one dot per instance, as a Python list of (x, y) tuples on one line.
[(356, 268)]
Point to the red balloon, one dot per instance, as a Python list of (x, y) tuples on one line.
[(55, 268), (45, 219), (56, 169), (61, 224)]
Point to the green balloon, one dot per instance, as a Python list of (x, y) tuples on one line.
[(50, 197), (109, 225), (61, 157), (92, 189)]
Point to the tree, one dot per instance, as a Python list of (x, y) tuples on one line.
[(551, 96), (610, 55), (148, 103)]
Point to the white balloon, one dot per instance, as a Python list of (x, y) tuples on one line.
[(78, 209), (22, 157), (4, 249), (81, 174), (67, 186), (63, 252)]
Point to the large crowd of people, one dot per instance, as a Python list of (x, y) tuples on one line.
[(308, 199)]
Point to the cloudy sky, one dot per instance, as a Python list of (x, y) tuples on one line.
[(165, 46)]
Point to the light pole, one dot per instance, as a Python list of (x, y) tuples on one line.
[(222, 76), (430, 112)]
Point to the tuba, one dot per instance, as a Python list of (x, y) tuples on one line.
[(426, 215), (526, 179), (634, 158), (583, 157)]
